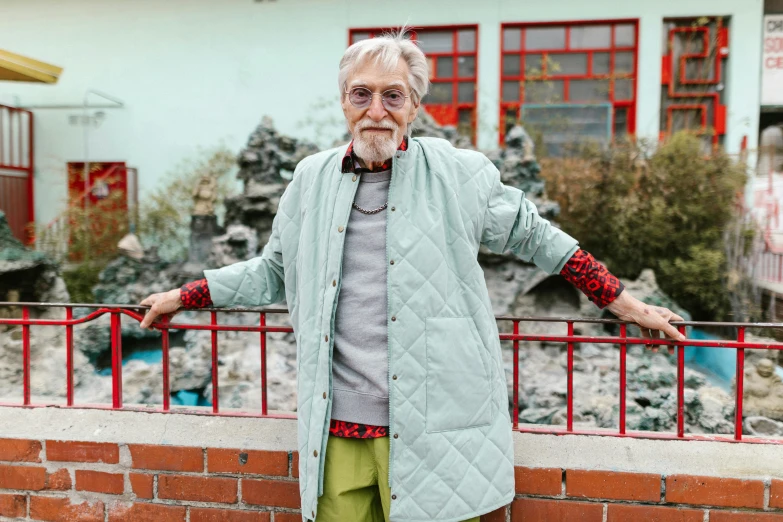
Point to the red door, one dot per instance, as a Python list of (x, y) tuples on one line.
[(16, 170)]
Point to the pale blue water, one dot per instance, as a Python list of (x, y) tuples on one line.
[(719, 362)]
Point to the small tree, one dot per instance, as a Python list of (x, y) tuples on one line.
[(164, 218), (668, 212)]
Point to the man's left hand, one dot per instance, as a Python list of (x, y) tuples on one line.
[(651, 319)]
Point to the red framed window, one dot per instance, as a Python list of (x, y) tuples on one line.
[(693, 78), (452, 53), (575, 80)]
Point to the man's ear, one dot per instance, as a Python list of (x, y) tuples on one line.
[(343, 102), (414, 112)]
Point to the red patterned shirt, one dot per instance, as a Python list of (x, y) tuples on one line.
[(582, 270)]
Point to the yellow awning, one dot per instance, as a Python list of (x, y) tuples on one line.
[(18, 68)]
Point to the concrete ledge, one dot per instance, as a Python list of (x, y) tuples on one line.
[(667, 457), (132, 427)]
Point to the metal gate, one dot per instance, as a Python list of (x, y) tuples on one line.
[(16, 169)]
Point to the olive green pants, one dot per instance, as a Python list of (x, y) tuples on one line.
[(356, 481)]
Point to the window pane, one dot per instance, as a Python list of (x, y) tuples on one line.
[(566, 129), (466, 66), (550, 91), (360, 36), (600, 63), (466, 92), (436, 41), (623, 63), (623, 89), (510, 91), (512, 39), (589, 90), (533, 65), (511, 64), (567, 64), (466, 40), (591, 37), (624, 35), (439, 93), (445, 67), (620, 122), (683, 119), (544, 38)]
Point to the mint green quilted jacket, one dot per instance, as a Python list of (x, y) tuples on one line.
[(452, 454)]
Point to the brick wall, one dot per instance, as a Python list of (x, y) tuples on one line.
[(96, 481)]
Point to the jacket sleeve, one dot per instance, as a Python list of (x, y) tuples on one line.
[(512, 223), (259, 281)]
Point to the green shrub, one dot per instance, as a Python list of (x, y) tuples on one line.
[(81, 278), (668, 213)]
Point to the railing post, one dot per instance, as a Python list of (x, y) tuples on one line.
[(215, 404), (623, 355), (516, 375), (570, 396), (116, 360), (69, 355), (740, 382), (262, 323), (26, 357), (681, 388), (165, 363)]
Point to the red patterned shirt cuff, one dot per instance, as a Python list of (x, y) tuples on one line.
[(195, 294), (592, 278)]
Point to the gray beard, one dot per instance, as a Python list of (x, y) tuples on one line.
[(375, 149)]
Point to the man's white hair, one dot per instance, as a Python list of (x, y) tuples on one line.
[(387, 50)]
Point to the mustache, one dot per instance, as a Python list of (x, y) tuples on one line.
[(365, 124)]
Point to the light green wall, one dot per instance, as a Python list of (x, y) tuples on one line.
[(198, 73)]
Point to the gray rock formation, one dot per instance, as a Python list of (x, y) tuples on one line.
[(27, 275), (265, 166)]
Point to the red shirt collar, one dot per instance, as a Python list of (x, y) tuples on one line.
[(350, 159)]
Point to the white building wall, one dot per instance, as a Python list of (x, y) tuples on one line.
[(198, 73)]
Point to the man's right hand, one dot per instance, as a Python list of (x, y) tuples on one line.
[(162, 303)]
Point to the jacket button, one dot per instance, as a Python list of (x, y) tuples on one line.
[(326, 338), (393, 209), (394, 377), (394, 318), (340, 228), (315, 453), (394, 497), (391, 262), (324, 395), (396, 436), (334, 282), (353, 179)]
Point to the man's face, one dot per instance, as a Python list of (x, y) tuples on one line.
[(376, 131)]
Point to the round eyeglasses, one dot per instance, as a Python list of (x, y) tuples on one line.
[(361, 98)]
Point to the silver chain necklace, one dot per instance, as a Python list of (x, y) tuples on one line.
[(369, 212)]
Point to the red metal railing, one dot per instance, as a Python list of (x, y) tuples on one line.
[(570, 340)]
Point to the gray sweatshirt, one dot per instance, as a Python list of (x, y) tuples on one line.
[(360, 367)]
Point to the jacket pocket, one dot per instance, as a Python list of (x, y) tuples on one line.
[(458, 376)]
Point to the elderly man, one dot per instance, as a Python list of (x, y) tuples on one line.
[(402, 401)]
